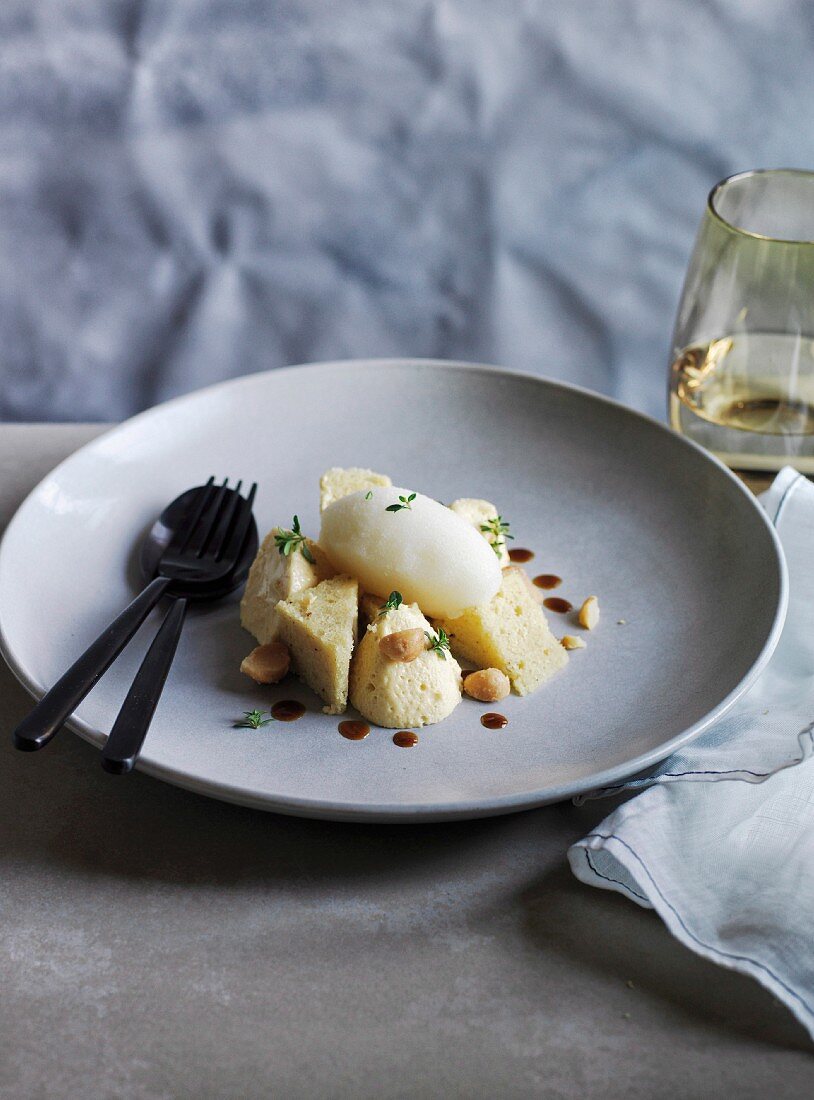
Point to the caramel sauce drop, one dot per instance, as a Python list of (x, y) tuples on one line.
[(405, 739), (555, 603), (287, 710), (353, 730), (547, 580), (494, 721), (520, 555)]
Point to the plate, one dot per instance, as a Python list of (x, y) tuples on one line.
[(688, 570)]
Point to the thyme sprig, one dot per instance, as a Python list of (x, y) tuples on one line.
[(289, 541), (253, 720), (394, 602), (497, 530), (439, 642), (404, 502)]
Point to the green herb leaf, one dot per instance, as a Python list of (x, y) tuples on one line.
[(288, 541), (368, 494), (394, 602), (439, 642), (253, 720), (497, 531), (404, 502)]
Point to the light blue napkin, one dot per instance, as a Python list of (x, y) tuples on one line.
[(721, 841)]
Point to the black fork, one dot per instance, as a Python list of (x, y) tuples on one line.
[(202, 552)]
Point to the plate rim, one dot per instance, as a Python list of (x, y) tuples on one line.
[(419, 812)]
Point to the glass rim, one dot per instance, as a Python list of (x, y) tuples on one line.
[(721, 184)]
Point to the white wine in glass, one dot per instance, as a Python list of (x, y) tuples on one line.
[(742, 371)]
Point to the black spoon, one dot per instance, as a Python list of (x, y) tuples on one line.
[(158, 538), (179, 549), (124, 744)]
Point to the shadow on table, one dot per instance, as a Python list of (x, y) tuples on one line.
[(59, 810), (625, 942)]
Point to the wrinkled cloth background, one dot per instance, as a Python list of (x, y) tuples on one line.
[(199, 189)]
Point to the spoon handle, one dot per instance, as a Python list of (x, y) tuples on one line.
[(130, 728), (50, 714)]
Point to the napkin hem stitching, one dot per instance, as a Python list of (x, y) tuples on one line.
[(712, 950), (680, 775), (609, 878), (651, 781)]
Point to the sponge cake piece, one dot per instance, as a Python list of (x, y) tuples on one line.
[(338, 482), (319, 625), (510, 633), (274, 577), (370, 606)]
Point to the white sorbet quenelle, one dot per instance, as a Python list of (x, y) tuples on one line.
[(429, 554)]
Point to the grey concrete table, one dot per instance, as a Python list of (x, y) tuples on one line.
[(159, 944)]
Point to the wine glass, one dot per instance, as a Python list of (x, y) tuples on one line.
[(742, 362)]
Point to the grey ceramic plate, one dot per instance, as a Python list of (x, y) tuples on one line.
[(611, 501)]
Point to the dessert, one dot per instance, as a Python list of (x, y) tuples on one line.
[(402, 693), (370, 606), (510, 633), (319, 626), (454, 595), (392, 539), (485, 519), (337, 483), (276, 574)]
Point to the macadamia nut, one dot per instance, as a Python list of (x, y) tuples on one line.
[(589, 613), (403, 645), (489, 685), (267, 664)]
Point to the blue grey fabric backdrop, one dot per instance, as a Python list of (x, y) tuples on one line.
[(196, 189)]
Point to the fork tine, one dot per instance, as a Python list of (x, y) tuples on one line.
[(241, 528), (219, 534), (178, 542), (199, 539)]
